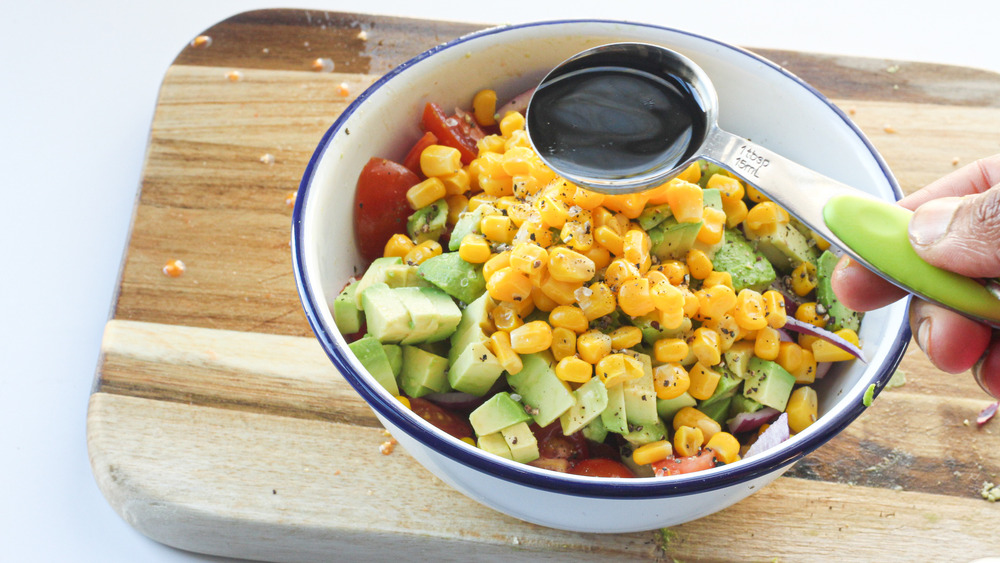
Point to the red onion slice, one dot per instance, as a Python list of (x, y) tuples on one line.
[(986, 414), (813, 330), (775, 434), (518, 103), (747, 421)]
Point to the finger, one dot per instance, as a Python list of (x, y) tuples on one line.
[(952, 342), (960, 234), (987, 370), (973, 178), (858, 289)]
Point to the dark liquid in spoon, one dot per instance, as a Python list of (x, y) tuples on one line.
[(615, 122)]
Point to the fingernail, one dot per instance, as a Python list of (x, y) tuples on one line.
[(923, 333), (931, 220)]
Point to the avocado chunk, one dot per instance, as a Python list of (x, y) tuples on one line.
[(475, 370), (737, 358), (521, 442), (458, 278), (468, 223), (667, 408), (346, 313), (372, 356), (389, 271), (671, 240), (494, 444), (743, 404), (498, 412), (428, 223), (595, 431), (728, 385), (423, 315), (654, 215), (591, 400), (646, 433), (474, 319), (717, 410), (395, 354), (386, 316), (768, 383), (423, 372), (448, 313), (545, 396), (785, 248), (748, 268), (653, 331), (640, 395), (613, 415), (840, 316)]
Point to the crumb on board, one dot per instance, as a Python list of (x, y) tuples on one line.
[(954, 161), (201, 42), (889, 129), (267, 158), (234, 76), (323, 64), (290, 198), (174, 268), (387, 447), (990, 492), (362, 35), (343, 90), (898, 379)]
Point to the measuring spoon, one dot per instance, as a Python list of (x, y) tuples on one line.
[(625, 117)]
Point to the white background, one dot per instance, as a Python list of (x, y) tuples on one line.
[(78, 85)]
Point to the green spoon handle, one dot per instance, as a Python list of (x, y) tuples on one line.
[(877, 232)]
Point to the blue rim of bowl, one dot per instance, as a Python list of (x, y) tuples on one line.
[(593, 487)]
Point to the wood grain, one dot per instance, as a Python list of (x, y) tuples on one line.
[(218, 425)]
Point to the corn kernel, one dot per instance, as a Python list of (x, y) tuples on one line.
[(715, 301), (457, 204), (755, 196), (505, 316), (562, 292), (398, 246), (629, 205), (729, 188), (809, 313), (439, 160), (570, 266), (614, 369), (508, 358), (532, 337), (517, 139), (764, 218), (718, 278), (507, 284), (728, 329), (691, 302), (676, 271), (563, 343), (498, 228), (497, 262), (652, 452), (767, 344), (568, 316), (474, 249), (618, 272), (518, 161), (802, 409), (688, 440), (490, 143), (542, 302), (596, 300), (774, 308), (609, 239), (686, 202), (705, 346), (421, 252), (636, 246), (698, 263), (704, 381), (479, 199), (425, 193), (484, 104), (804, 278), (593, 346), (691, 174), (713, 226), (497, 186), (668, 350), (806, 372), (457, 183), (574, 370), (828, 352), (625, 337), (736, 212), (670, 380), (634, 298), (600, 256), (725, 446), (790, 356), (749, 311), (511, 122), (690, 416), (528, 258), (587, 199)]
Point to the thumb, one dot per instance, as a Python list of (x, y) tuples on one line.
[(960, 234)]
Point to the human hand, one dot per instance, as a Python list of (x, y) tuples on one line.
[(955, 226)]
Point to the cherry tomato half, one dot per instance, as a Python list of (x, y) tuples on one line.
[(601, 467), (380, 206), (704, 459), (552, 443), (452, 131), (448, 421), (412, 160)]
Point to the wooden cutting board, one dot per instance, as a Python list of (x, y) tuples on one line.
[(217, 424)]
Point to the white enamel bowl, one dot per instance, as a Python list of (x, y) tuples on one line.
[(757, 99)]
